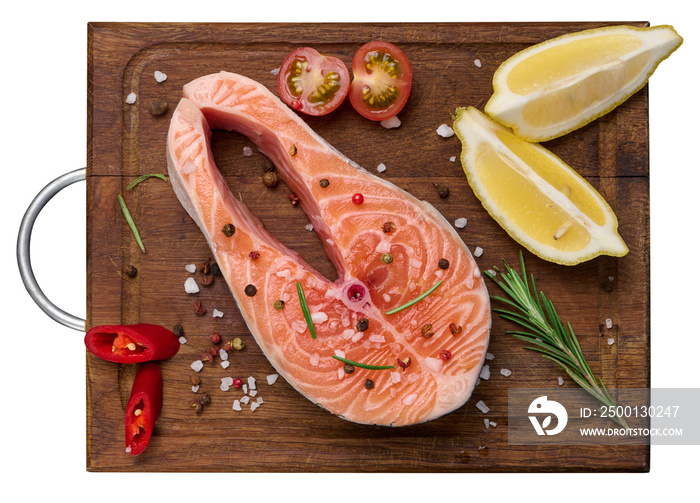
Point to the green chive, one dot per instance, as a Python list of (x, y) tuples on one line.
[(417, 299), (131, 223), (145, 177), (364, 365), (305, 310)]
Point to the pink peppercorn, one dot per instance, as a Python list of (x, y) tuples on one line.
[(237, 383), (445, 355), (358, 198)]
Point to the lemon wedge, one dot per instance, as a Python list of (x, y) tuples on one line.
[(562, 84), (538, 199)]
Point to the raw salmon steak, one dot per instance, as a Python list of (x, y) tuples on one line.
[(445, 334)]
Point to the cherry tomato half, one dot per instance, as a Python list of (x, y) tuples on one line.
[(312, 83), (381, 80)]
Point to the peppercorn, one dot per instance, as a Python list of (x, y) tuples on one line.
[(443, 263), (215, 269), (427, 331), (228, 230), (270, 179), (204, 398), (131, 271), (442, 191), (358, 198), (196, 405), (178, 330), (445, 355), (268, 166), (208, 357), (214, 351), (389, 227), (254, 255), (203, 267), (199, 309), (237, 383), (293, 150), (386, 258), (158, 107), (362, 325), (206, 279), (348, 369), (279, 305), (293, 199), (250, 290), (238, 344), (195, 380), (227, 346), (324, 183), (215, 338), (404, 363), (369, 384), (455, 329)]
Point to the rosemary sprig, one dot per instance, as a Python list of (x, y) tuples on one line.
[(145, 177), (544, 328), (417, 299), (363, 365), (305, 310), (130, 221)]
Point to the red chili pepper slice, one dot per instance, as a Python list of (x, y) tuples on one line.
[(143, 407), (131, 343)]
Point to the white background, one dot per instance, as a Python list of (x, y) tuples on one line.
[(44, 74)]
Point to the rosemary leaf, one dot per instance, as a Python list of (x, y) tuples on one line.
[(305, 310), (417, 299), (363, 365), (130, 221), (145, 177), (543, 326)]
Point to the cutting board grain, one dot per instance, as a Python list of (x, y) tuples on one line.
[(289, 433)]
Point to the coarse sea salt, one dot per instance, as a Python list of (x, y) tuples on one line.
[(391, 122), (395, 377), (224, 355), (461, 223), (195, 389), (272, 379), (493, 423), (489, 356), (445, 131), (259, 400), (319, 317), (410, 399), (254, 406), (182, 340), (453, 158), (339, 352), (386, 297), (478, 251), (347, 333), (131, 99), (191, 286), (560, 380), (160, 76), (275, 71), (434, 364), (477, 62), (225, 363), (217, 314), (191, 268), (485, 373), (314, 359), (611, 341), (253, 392), (506, 372), (197, 365), (608, 323), (237, 405), (309, 227), (251, 382), (245, 399), (486, 423), (482, 406), (381, 167), (357, 336), (376, 338), (247, 151)]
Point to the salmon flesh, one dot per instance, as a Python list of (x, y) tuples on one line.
[(437, 345)]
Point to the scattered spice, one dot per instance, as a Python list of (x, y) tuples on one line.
[(132, 272), (358, 199), (445, 355), (199, 309), (203, 267), (215, 338), (270, 179), (427, 331), (237, 383), (293, 199), (178, 330), (348, 369), (214, 351), (386, 258), (293, 150), (254, 255), (206, 280), (238, 344), (442, 191), (158, 107), (278, 305), (228, 230), (389, 227), (369, 384), (455, 329), (404, 362), (268, 166), (324, 183), (197, 406), (227, 346), (207, 357), (195, 380), (204, 398), (443, 263), (215, 270), (250, 290), (362, 325)]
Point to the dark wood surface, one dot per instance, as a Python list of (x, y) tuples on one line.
[(288, 432)]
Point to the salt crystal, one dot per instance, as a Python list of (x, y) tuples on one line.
[(357, 336), (445, 131), (283, 274), (391, 122), (247, 151), (347, 333), (489, 356), (160, 76), (561, 381), (376, 338), (182, 340), (272, 379), (224, 355), (611, 278), (493, 423), (245, 399), (191, 286), (482, 406), (195, 389), (237, 405), (227, 380), (224, 387), (253, 392), (128, 450), (478, 251), (340, 353), (491, 272), (395, 377), (416, 263), (319, 317), (197, 365), (461, 223), (485, 373), (188, 167), (611, 341), (608, 323), (486, 423), (506, 372), (434, 364), (309, 227), (410, 399), (275, 71), (254, 406), (477, 62), (245, 389), (439, 273), (381, 168), (131, 99), (341, 373), (314, 359), (383, 247), (217, 314), (453, 158), (481, 447), (386, 297), (259, 400), (224, 364), (251, 382), (191, 268)]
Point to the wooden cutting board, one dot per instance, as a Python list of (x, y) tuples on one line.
[(288, 432)]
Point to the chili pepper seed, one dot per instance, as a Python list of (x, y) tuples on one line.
[(250, 290)]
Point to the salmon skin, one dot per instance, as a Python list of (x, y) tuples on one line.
[(445, 334)]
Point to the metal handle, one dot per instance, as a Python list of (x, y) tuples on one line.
[(23, 240)]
